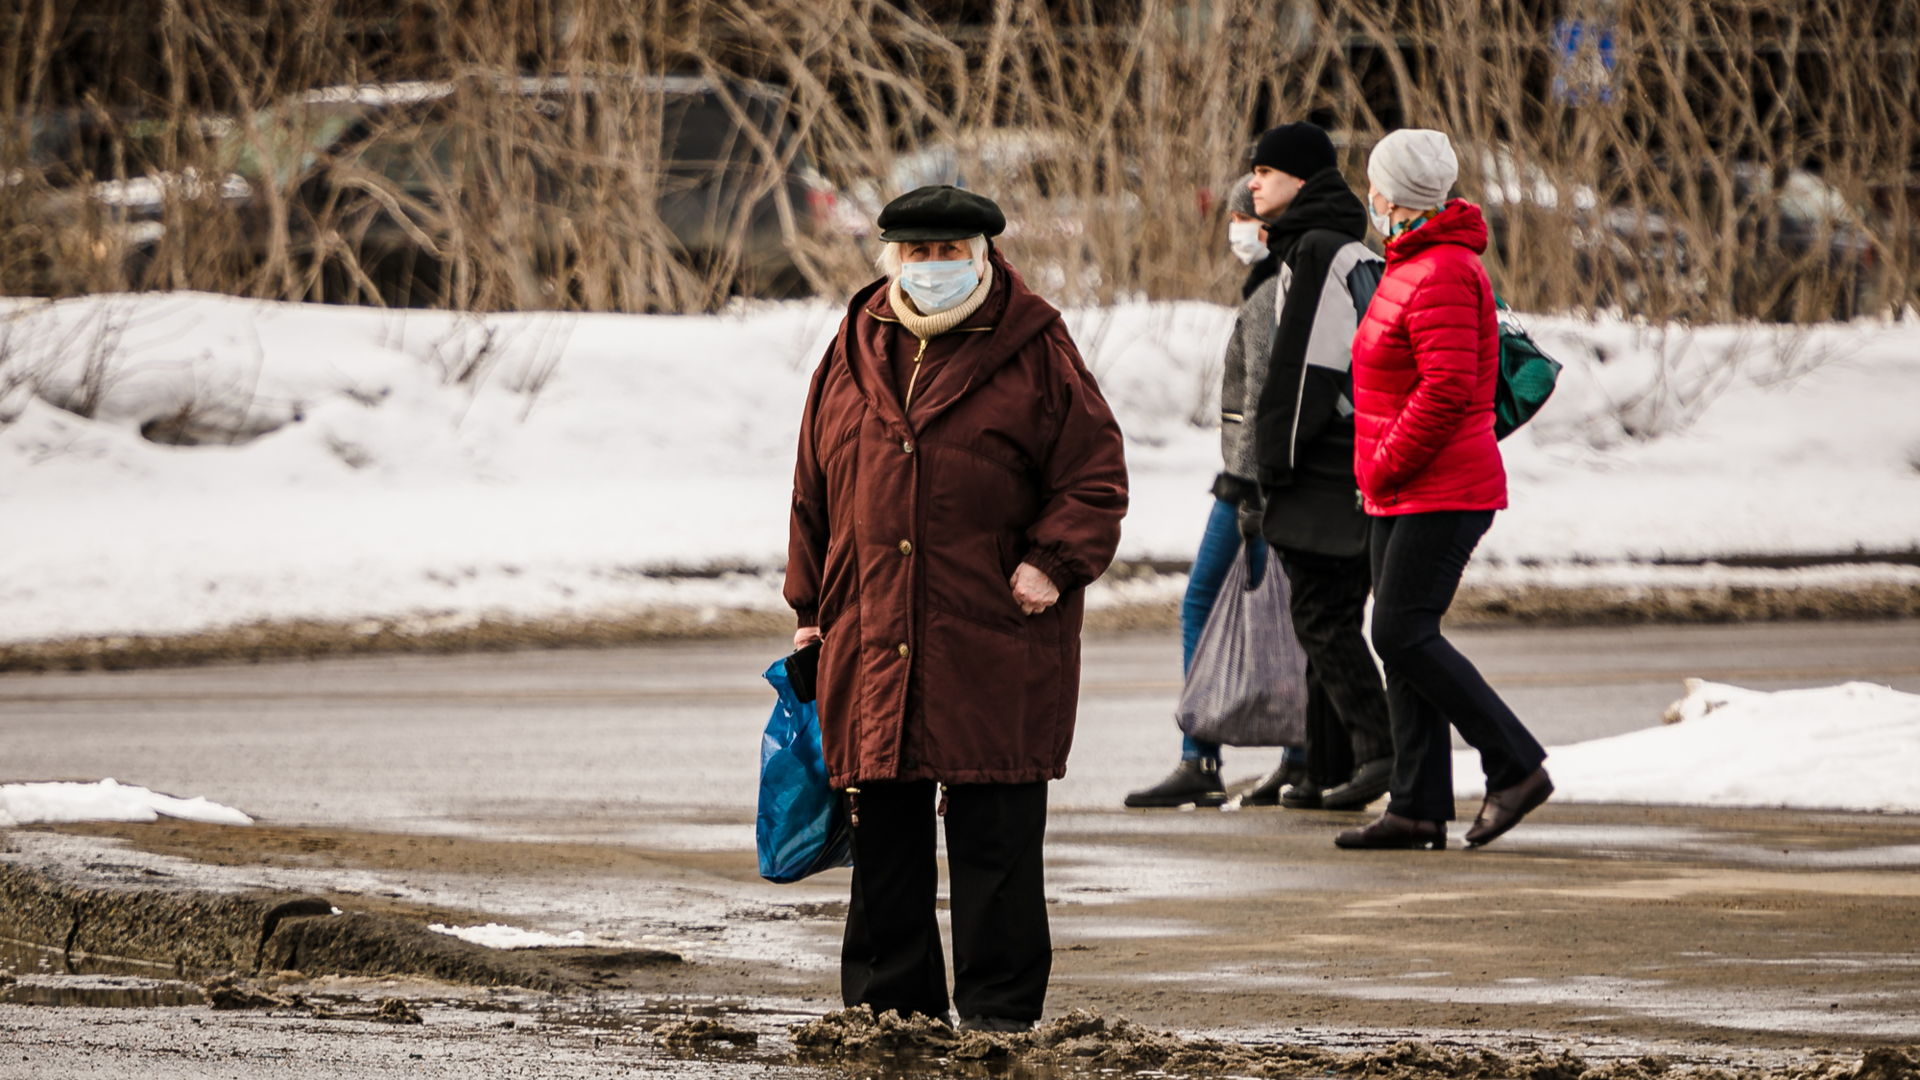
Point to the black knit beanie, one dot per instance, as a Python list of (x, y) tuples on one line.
[(1298, 149)]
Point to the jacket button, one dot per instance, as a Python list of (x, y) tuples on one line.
[(906, 547), (907, 446), (904, 650)]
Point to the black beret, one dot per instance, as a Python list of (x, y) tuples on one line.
[(940, 212)]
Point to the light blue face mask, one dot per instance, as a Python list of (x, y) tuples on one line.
[(937, 286)]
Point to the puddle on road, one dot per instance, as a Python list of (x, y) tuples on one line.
[(1641, 841), (1835, 1012), (101, 992), (25, 958)]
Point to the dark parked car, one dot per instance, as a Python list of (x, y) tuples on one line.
[(1802, 249), (411, 193), (81, 191)]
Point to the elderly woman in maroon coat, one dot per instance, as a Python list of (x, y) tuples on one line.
[(960, 481)]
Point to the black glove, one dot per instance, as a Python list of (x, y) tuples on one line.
[(1248, 515)]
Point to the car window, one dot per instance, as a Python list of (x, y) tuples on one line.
[(412, 157), (292, 139)]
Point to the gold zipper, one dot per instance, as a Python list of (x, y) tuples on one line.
[(907, 405), (918, 356)]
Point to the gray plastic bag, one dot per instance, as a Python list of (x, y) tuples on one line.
[(1247, 685)]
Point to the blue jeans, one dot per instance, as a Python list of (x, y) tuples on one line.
[(1219, 546)]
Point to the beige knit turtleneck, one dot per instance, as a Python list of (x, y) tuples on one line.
[(928, 326)]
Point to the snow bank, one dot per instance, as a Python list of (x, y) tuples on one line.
[(52, 803), (1672, 442), (497, 936), (424, 464), (1850, 747)]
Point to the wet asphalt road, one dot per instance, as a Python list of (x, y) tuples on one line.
[(659, 746), (1767, 928)]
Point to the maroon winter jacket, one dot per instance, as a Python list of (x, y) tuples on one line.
[(905, 531), (1425, 362)]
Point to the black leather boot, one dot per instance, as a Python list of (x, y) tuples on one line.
[(1368, 783), (1196, 781), (1267, 791), (1305, 795)]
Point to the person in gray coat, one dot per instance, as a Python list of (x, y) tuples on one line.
[(1196, 780), (1303, 448)]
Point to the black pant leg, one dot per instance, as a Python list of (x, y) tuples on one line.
[(1002, 950), (1422, 785), (1329, 603), (1417, 571), (890, 957), (1329, 751)]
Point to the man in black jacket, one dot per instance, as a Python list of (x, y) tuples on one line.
[(1303, 435)]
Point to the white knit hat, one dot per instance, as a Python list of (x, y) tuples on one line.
[(1413, 167)]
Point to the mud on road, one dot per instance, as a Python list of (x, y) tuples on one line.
[(1751, 929)]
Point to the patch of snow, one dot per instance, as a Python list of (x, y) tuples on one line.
[(356, 463), (1849, 747), (50, 803), (497, 936)]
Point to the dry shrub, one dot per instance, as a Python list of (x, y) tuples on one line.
[(1647, 177)]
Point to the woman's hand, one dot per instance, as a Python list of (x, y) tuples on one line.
[(1033, 590), (805, 636)]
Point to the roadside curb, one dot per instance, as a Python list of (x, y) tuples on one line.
[(1605, 605), (1476, 605), (198, 934)]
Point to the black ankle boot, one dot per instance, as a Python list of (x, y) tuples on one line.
[(1369, 782), (1196, 781), (1267, 791)]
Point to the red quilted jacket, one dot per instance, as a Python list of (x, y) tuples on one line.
[(1425, 361)]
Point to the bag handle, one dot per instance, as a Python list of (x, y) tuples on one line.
[(1255, 575)]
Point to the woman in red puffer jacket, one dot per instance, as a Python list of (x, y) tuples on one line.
[(1425, 362)]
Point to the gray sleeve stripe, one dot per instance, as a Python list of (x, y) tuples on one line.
[(1331, 343)]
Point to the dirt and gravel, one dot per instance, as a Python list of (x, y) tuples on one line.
[(1086, 1041), (1755, 928), (1593, 943)]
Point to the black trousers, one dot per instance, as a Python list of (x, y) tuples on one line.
[(1347, 715), (1002, 951), (1417, 562)]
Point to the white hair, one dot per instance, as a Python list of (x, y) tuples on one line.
[(889, 260)]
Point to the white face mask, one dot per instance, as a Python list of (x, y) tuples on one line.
[(937, 286), (1382, 222), (1244, 238)]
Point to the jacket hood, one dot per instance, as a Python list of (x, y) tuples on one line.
[(1326, 202), (1458, 222), (1011, 316)]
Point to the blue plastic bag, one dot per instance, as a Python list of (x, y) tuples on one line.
[(802, 828)]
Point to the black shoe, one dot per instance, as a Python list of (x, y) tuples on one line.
[(1267, 791), (1196, 781), (1503, 809), (1305, 795), (1394, 832), (1369, 782)]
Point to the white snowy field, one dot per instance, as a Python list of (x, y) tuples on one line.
[(1850, 747), (427, 465)]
